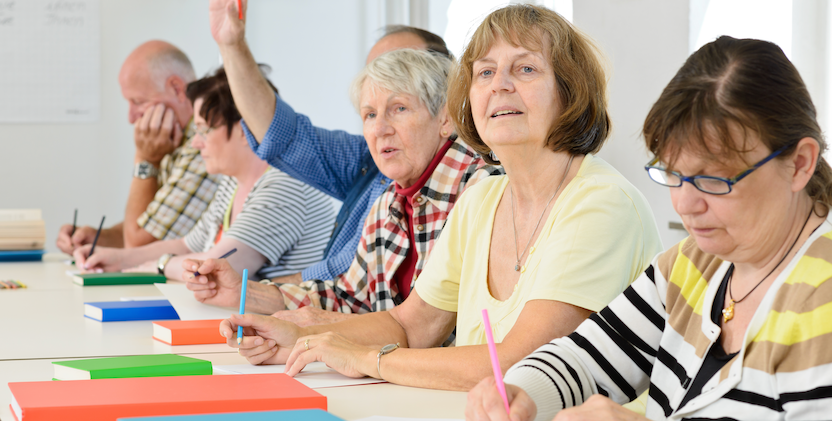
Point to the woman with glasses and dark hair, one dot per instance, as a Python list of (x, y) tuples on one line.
[(734, 322), (278, 225)]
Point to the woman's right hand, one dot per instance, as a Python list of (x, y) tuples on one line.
[(105, 259), (226, 26), (266, 340), (486, 404)]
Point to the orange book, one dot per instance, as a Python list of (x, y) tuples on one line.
[(109, 399), (188, 332)]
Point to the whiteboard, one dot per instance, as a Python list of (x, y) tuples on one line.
[(50, 61)]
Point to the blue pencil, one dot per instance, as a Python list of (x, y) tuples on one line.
[(230, 252), (242, 306)]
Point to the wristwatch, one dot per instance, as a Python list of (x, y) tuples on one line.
[(386, 349), (163, 261), (144, 170)]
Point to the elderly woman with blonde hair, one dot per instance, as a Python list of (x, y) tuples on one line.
[(541, 247), (734, 321)]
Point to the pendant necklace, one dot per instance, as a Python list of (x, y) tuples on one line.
[(514, 224), (728, 312)]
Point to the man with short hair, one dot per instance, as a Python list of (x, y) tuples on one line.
[(170, 187)]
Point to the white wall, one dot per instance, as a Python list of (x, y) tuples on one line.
[(645, 41), (314, 47)]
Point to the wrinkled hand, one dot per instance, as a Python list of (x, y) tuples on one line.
[(310, 316), (266, 340), (218, 283), (226, 26), (485, 403), (105, 259), (156, 134), (336, 351), (83, 235), (598, 407), (150, 266)]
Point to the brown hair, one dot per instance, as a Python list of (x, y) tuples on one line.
[(745, 83), (434, 42), (584, 123), (217, 102)]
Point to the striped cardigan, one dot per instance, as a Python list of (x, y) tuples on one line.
[(657, 333)]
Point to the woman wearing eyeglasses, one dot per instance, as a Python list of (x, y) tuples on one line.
[(734, 322)]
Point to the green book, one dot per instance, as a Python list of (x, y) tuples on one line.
[(133, 366), (118, 278)]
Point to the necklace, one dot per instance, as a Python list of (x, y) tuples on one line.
[(514, 224), (728, 312)]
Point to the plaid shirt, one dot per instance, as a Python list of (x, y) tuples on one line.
[(185, 190), (368, 285)]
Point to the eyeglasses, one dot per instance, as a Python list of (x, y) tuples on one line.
[(704, 183), (203, 130)]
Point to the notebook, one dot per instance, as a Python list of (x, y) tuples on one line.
[(121, 311), (131, 366), (118, 278), (298, 415), (109, 399), (188, 332)]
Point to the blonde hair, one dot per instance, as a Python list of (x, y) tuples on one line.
[(421, 74), (584, 124)]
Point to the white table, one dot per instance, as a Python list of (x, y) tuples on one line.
[(45, 323)]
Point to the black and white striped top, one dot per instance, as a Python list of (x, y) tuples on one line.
[(657, 333), (285, 220)]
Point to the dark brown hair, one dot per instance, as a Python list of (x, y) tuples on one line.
[(745, 83), (584, 124), (217, 103), (434, 42)]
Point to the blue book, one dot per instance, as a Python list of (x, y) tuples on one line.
[(21, 255), (296, 415), (122, 311)]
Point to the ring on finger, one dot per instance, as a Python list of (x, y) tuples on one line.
[(306, 344)]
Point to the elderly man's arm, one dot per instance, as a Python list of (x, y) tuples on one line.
[(252, 94)]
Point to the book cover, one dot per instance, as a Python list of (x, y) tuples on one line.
[(21, 255), (118, 278), (298, 415), (109, 399), (131, 366), (188, 332), (122, 311)]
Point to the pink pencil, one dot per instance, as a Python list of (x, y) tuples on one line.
[(240, 8), (495, 362)]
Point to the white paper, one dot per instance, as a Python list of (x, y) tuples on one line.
[(155, 298), (51, 55), (315, 375), (188, 308), (383, 418)]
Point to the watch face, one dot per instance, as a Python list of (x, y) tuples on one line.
[(389, 348)]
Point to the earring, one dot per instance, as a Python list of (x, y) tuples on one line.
[(444, 133)]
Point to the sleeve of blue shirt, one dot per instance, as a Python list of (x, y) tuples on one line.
[(328, 160)]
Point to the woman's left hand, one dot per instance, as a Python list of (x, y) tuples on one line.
[(336, 352), (149, 266), (598, 407)]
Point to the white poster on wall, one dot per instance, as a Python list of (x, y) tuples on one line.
[(50, 61)]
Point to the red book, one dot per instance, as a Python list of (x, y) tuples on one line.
[(188, 332), (109, 399)]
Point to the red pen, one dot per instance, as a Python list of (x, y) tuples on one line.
[(240, 8)]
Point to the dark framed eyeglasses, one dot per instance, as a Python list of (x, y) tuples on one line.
[(704, 183)]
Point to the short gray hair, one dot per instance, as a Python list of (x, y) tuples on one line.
[(422, 74), (167, 63)]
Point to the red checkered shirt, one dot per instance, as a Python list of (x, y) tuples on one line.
[(368, 285)]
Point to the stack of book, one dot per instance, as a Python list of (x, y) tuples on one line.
[(22, 234)]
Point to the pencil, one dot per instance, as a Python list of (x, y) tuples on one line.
[(240, 8), (97, 233), (74, 225), (230, 252), (242, 306), (495, 362)]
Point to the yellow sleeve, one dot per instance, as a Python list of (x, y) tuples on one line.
[(597, 246)]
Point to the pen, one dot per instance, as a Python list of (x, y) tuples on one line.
[(229, 253), (92, 249), (240, 8), (242, 306), (495, 362), (74, 224)]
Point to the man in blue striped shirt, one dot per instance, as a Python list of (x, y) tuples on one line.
[(335, 162)]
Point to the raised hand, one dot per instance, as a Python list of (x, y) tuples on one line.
[(226, 26)]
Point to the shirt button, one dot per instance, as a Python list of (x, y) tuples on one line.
[(420, 199), (383, 182), (531, 250), (420, 227)]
